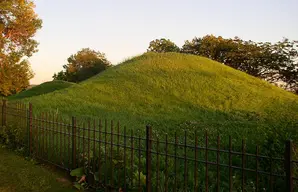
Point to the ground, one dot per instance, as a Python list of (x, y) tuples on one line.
[(20, 175)]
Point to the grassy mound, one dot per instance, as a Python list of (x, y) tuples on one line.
[(175, 91), (41, 89)]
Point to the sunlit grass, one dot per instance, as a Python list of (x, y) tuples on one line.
[(41, 89), (176, 91)]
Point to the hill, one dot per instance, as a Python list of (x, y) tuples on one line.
[(175, 91), (41, 89)]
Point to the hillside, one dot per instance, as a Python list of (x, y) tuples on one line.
[(173, 91), (41, 89)]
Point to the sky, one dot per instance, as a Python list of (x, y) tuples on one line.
[(123, 28)]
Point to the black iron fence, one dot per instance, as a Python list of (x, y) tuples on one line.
[(116, 158)]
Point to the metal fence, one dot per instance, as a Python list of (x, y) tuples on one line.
[(119, 159)]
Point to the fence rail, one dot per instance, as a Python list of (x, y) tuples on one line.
[(114, 157)]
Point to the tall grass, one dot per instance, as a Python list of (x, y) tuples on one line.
[(177, 93)]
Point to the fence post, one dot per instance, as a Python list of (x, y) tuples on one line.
[(3, 112), (148, 157), (30, 128), (73, 142), (289, 166)]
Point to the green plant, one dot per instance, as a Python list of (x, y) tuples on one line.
[(12, 136), (80, 182)]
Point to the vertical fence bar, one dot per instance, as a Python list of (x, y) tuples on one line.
[(230, 165), (167, 165), (62, 136), (217, 164), (131, 159), (175, 169), (118, 148), (56, 133), (157, 164), (270, 174), (52, 135), (39, 135), (47, 135), (69, 144), (206, 163), (35, 137), (111, 159), (139, 144), (124, 157), (30, 128), (99, 150), (3, 112), (148, 158), (243, 166), (196, 164), (257, 168), (41, 121), (185, 162), (88, 140), (94, 146), (105, 156), (289, 166), (74, 146), (83, 143)]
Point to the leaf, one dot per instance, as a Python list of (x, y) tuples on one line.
[(77, 186), (79, 172)]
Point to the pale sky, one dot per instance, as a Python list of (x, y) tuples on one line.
[(124, 28)]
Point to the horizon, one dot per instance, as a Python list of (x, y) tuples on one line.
[(124, 29)]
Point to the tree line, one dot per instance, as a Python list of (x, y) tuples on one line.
[(275, 62)]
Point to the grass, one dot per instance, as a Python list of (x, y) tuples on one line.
[(20, 175), (175, 91), (41, 89)]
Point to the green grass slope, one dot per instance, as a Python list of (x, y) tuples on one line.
[(175, 91), (41, 89)]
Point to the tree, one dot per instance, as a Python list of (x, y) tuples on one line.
[(276, 63), (18, 25), (162, 46), (61, 75), (83, 65), (15, 78)]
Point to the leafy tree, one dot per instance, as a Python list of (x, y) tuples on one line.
[(15, 78), (162, 46), (18, 25), (276, 63), (61, 75), (83, 65)]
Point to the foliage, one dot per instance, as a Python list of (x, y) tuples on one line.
[(18, 25), (83, 65), (275, 63), (14, 78), (162, 46), (80, 182), (11, 136), (41, 89)]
